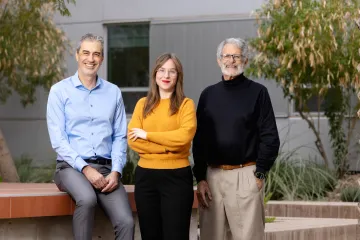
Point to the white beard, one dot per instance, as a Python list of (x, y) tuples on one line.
[(239, 70)]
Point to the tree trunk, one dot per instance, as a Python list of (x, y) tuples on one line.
[(8, 170), (318, 142)]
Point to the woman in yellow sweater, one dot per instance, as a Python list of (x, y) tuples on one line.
[(161, 130)]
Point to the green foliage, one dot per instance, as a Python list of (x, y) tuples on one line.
[(35, 174), (28, 173), (32, 47), (132, 156), (128, 176), (266, 199), (350, 194), (0, 179), (309, 47), (60, 6), (293, 178), (270, 219), (335, 110), (307, 42)]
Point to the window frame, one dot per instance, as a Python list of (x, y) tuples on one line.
[(320, 114), (138, 89)]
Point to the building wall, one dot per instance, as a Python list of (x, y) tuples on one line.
[(192, 30)]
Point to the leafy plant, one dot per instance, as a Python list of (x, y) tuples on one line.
[(350, 194), (129, 169), (132, 156), (34, 174), (266, 199), (128, 176), (32, 53), (336, 108), (309, 47), (293, 178)]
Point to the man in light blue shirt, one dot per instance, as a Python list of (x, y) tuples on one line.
[(87, 126)]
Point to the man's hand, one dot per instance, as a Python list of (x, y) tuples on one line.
[(94, 177), (112, 182), (136, 133), (259, 183), (203, 193)]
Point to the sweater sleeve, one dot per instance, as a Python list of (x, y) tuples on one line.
[(268, 133), (141, 145), (199, 148), (176, 139)]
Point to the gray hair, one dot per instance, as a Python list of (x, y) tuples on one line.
[(240, 43), (91, 37)]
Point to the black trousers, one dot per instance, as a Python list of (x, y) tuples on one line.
[(164, 199)]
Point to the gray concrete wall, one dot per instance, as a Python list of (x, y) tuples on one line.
[(195, 43), (191, 29), (107, 11)]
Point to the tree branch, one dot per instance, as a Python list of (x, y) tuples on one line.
[(318, 143)]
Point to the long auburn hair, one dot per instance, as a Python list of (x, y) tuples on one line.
[(153, 96)]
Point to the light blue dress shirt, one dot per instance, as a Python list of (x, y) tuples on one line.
[(86, 123)]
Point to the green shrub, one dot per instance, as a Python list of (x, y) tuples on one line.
[(128, 176), (33, 174), (266, 199), (28, 173), (350, 194), (293, 178), (132, 156)]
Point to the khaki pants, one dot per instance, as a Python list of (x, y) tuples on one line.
[(236, 211)]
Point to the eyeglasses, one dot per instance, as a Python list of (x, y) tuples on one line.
[(227, 57), (163, 71)]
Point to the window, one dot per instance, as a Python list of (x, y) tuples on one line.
[(317, 103), (312, 104), (128, 61)]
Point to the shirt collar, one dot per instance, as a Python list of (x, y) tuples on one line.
[(76, 81)]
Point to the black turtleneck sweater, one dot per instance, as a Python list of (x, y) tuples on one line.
[(236, 125)]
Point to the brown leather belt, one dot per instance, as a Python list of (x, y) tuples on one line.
[(231, 167)]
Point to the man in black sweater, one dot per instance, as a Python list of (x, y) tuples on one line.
[(236, 143)]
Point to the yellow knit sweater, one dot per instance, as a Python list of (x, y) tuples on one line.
[(168, 137)]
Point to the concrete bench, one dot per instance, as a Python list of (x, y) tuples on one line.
[(345, 210)]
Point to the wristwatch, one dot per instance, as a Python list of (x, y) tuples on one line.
[(260, 175)]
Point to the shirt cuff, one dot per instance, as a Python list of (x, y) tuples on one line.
[(80, 164), (116, 167)]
